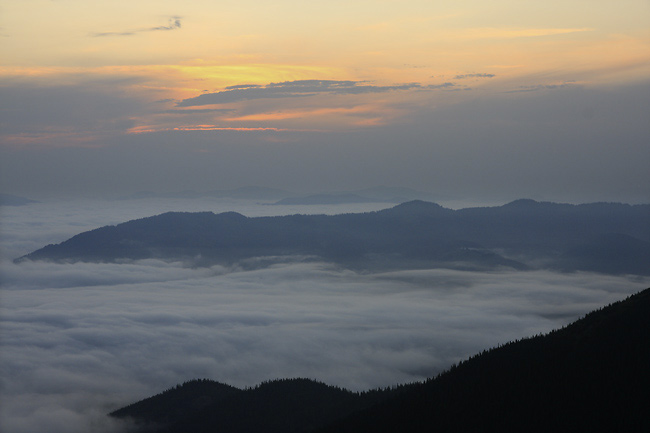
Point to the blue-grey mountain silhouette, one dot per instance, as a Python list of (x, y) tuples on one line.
[(603, 237)]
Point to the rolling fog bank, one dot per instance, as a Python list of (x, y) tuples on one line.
[(79, 340)]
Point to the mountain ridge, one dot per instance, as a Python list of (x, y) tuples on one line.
[(199, 404), (590, 375), (415, 234)]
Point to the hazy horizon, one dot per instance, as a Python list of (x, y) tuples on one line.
[(463, 99)]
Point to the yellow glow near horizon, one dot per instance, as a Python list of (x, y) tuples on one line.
[(166, 50)]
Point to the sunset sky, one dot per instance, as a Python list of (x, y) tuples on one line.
[(548, 100)]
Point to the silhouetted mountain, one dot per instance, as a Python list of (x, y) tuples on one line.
[(324, 199), (416, 234), (418, 209), (379, 194), (282, 406), (589, 376), (251, 192), (608, 253), (184, 401), (393, 194)]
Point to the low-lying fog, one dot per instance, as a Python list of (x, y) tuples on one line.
[(80, 340)]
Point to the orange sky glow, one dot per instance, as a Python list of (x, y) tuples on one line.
[(169, 51), (80, 73)]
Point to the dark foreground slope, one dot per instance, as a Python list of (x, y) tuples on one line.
[(602, 237), (280, 406), (591, 376)]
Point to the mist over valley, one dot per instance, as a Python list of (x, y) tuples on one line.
[(81, 339)]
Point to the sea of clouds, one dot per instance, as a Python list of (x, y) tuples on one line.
[(80, 340)]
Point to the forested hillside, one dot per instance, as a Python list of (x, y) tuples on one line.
[(589, 376)]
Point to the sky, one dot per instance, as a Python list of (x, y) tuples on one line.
[(79, 340), (506, 99)]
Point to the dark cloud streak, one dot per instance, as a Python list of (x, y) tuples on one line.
[(538, 87), (440, 86), (174, 23), (198, 111), (290, 89), (481, 75)]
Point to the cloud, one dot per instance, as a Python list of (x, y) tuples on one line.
[(481, 75), (80, 340), (173, 24), (290, 89), (512, 146), (538, 87), (440, 86), (198, 111), (511, 33), (244, 86), (71, 352), (126, 33)]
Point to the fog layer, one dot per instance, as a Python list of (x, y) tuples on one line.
[(80, 340)]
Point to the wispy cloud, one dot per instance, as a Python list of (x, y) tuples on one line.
[(243, 86), (479, 75), (194, 128), (440, 86), (290, 89), (198, 111), (538, 87), (173, 24), (359, 110), (510, 33)]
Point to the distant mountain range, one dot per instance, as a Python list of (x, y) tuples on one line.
[(379, 194), (590, 376), (325, 199), (525, 234)]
